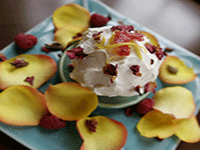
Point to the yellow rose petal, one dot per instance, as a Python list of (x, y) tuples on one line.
[(65, 35), (70, 101), (41, 67), (176, 101), (189, 130), (71, 14), (157, 124), (183, 74), (22, 106), (110, 134)]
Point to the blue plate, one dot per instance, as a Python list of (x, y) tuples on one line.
[(68, 138)]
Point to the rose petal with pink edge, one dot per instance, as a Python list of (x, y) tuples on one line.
[(22, 106), (151, 37), (42, 67), (110, 134), (71, 14), (65, 35), (189, 130), (157, 124), (70, 101), (182, 74), (176, 101)]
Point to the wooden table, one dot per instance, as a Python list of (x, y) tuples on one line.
[(21, 15)]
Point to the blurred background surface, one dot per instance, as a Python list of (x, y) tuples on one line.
[(177, 20)]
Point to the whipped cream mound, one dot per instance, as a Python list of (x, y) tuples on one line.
[(107, 71)]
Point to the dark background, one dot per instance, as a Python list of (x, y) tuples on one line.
[(177, 20)]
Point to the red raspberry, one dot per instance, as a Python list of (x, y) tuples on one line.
[(129, 111), (144, 106), (51, 122), (123, 50), (98, 20), (25, 41)]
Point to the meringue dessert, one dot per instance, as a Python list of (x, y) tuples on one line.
[(116, 61)]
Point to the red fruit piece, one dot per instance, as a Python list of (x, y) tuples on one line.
[(125, 36), (110, 69), (130, 110), (136, 36), (136, 70), (137, 89), (76, 53), (55, 46), (18, 63), (78, 35), (151, 48), (144, 106), (123, 27), (30, 80), (2, 57), (159, 53), (25, 41), (91, 125), (97, 34), (167, 49), (121, 37), (123, 50), (98, 20), (45, 49), (51, 122), (32, 38), (150, 86)]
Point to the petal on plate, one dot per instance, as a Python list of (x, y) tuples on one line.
[(189, 130), (109, 133), (22, 106), (70, 101), (157, 124), (41, 67), (65, 35), (71, 14), (176, 101), (174, 71), (151, 37)]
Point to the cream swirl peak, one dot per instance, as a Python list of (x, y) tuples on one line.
[(116, 61)]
